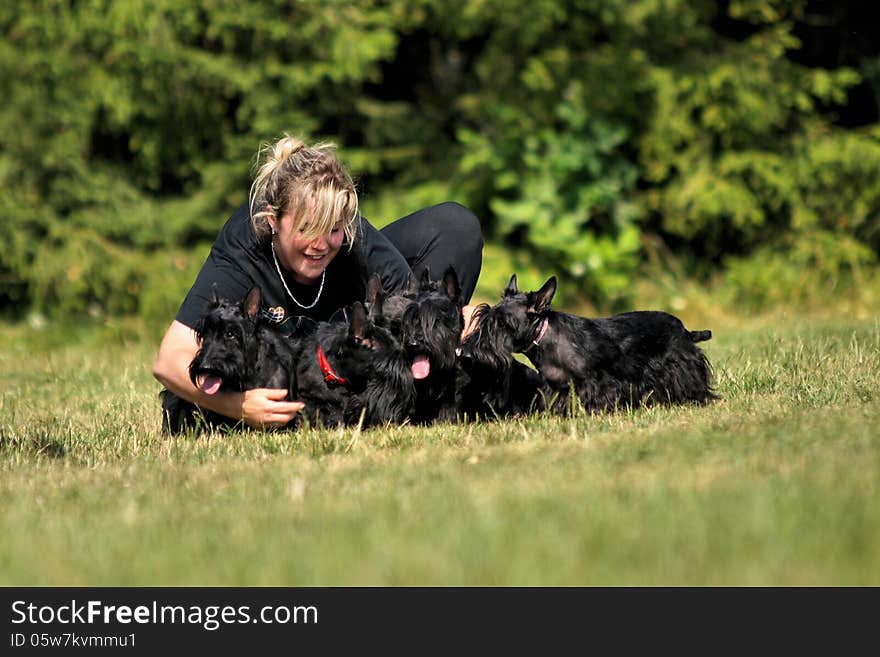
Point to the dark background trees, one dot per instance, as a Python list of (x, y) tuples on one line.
[(734, 138)]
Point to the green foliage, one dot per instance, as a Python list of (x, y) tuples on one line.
[(499, 262), (578, 130), (740, 159), (130, 127), (546, 153), (565, 197), (809, 265)]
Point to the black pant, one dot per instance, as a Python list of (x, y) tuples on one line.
[(439, 236)]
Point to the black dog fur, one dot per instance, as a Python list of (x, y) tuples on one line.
[(428, 317), (491, 382), (486, 391), (633, 358)]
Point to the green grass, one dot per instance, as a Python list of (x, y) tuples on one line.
[(776, 484)]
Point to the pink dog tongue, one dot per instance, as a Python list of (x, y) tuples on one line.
[(211, 384), (421, 367)]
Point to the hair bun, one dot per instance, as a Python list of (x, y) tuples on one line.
[(285, 148)]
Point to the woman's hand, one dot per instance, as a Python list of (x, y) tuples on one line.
[(266, 407)]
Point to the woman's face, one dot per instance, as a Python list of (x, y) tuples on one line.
[(306, 258)]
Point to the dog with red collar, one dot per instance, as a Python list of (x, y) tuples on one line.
[(353, 372)]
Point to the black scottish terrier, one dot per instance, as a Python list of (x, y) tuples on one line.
[(239, 350), (427, 316), (453, 380), (345, 372), (491, 383), (641, 357), (355, 372)]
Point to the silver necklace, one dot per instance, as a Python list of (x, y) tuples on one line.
[(287, 289)]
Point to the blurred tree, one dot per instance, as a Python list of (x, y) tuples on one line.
[(737, 132), (129, 128), (744, 164)]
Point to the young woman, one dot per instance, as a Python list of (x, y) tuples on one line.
[(301, 239)]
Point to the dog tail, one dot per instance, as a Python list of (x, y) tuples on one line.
[(700, 336)]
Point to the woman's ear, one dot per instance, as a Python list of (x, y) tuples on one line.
[(272, 227)]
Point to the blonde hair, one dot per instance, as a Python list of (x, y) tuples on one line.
[(309, 183)]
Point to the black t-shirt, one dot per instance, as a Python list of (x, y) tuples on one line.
[(238, 261)]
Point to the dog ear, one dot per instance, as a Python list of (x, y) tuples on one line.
[(539, 302), (199, 328), (425, 278), (252, 302), (451, 285), (374, 287), (376, 309), (357, 323), (511, 288), (412, 286)]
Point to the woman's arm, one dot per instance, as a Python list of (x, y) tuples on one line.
[(258, 407), (470, 325)]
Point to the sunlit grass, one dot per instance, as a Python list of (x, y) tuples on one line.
[(775, 484)]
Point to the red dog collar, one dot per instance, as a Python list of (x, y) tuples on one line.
[(329, 375)]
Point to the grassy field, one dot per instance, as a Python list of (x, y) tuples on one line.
[(776, 484)]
